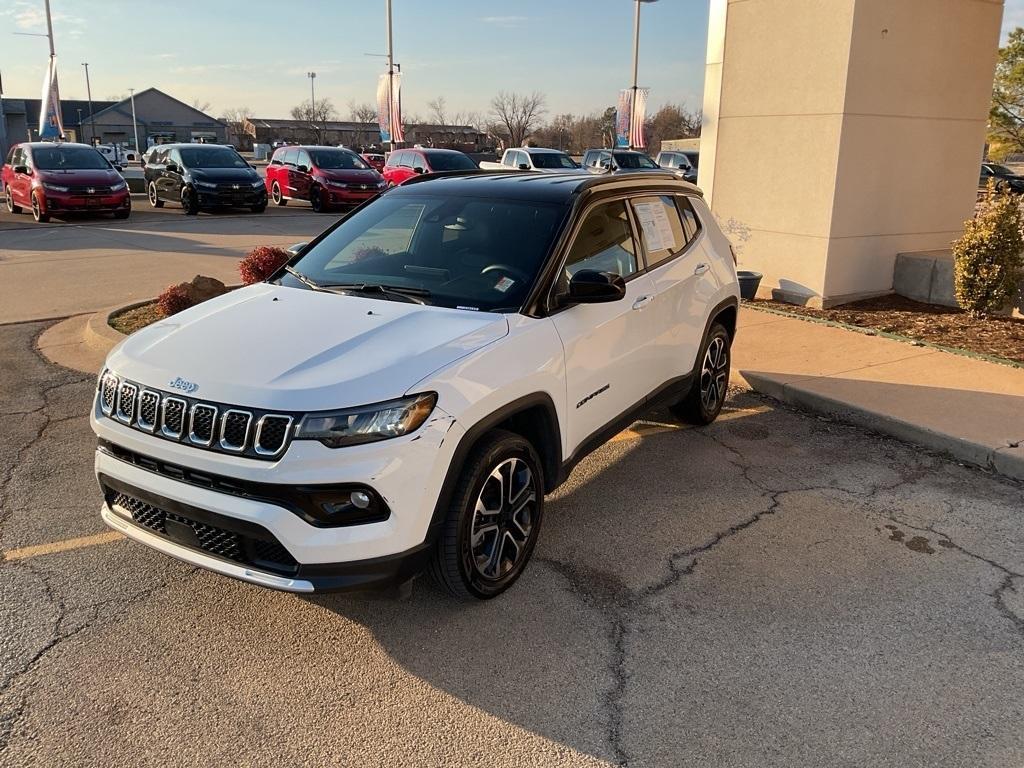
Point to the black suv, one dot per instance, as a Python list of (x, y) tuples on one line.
[(617, 160), (203, 176)]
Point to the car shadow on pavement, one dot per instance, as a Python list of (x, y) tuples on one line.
[(550, 654)]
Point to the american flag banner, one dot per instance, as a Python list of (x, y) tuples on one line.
[(390, 122), (639, 115)]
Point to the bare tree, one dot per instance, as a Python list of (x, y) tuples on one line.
[(315, 115), (202, 106), (235, 118), (438, 110), (519, 114), (362, 113)]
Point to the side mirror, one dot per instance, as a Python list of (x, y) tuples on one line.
[(417, 169), (590, 287), (21, 169), (524, 167), (302, 169), (172, 168), (118, 168)]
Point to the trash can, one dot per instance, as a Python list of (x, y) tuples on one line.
[(749, 281)]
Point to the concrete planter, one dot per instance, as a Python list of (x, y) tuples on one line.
[(749, 281)]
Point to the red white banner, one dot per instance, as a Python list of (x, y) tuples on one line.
[(639, 115), (389, 89)]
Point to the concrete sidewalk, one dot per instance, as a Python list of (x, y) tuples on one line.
[(969, 408)]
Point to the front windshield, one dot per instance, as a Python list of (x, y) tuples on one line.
[(337, 159), (467, 252), (68, 159), (211, 157), (634, 160), (552, 160), (444, 161)]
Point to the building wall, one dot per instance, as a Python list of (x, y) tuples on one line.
[(838, 133), (157, 115)]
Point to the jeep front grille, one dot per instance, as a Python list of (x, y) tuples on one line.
[(253, 433)]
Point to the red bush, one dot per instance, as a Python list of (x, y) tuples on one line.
[(261, 263), (175, 299)]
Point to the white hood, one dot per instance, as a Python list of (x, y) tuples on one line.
[(291, 349)]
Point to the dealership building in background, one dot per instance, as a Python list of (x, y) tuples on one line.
[(263, 130), (159, 119)]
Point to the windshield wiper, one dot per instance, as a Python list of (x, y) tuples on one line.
[(413, 295), (308, 282)]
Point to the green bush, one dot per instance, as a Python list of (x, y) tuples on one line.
[(988, 261)]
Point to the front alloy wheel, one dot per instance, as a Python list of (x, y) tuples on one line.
[(275, 193), (154, 198), (189, 201), (316, 198), (494, 519), (37, 210)]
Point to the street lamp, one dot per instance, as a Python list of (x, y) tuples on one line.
[(135, 124), (88, 91), (636, 63)]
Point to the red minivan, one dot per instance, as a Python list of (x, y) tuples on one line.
[(403, 164), (328, 177), (54, 178)]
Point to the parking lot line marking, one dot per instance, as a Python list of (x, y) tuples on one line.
[(62, 546)]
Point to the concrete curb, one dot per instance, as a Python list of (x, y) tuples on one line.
[(1005, 460), (98, 331)]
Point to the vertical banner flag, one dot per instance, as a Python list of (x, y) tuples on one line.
[(622, 118), (636, 128), (390, 129), (50, 125)]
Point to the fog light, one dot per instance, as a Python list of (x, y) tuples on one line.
[(360, 499)]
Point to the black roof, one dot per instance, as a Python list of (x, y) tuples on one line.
[(68, 108), (540, 187)]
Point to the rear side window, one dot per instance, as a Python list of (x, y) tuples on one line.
[(393, 160), (661, 227), (691, 223), (290, 157), (604, 243)]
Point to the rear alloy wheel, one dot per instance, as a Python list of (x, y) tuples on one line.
[(11, 207), (189, 201), (494, 520), (704, 401), (275, 193), (154, 198), (37, 210)]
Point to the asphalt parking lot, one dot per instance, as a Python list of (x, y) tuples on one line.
[(774, 590)]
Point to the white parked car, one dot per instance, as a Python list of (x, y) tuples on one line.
[(532, 159), (402, 395)]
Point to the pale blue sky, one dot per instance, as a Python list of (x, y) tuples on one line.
[(256, 53)]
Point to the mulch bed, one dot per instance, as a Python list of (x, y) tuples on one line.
[(944, 326), (133, 319)]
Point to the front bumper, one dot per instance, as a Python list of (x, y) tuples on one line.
[(244, 197), (71, 203), (351, 195), (406, 472)]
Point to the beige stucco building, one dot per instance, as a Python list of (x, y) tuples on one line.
[(839, 133)]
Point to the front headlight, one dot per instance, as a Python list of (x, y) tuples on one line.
[(338, 184), (118, 187), (381, 184), (54, 187), (367, 423), (205, 184), (257, 184)]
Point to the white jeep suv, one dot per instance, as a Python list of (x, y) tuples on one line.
[(401, 396)]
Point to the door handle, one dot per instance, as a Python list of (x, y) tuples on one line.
[(642, 302), (701, 269)]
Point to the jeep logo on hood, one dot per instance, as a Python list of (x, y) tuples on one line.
[(187, 387)]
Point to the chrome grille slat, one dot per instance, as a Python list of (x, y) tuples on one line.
[(108, 393), (126, 396), (272, 434), (173, 416), (149, 410), (202, 424), (234, 429)]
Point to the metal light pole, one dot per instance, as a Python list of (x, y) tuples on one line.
[(391, 83), (636, 64), (88, 92), (312, 101), (135, 124)]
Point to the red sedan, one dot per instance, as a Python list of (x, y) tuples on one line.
[(328, 177), (403, 164), (52, 178)]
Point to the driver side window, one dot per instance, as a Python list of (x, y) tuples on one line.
[(604, 243)]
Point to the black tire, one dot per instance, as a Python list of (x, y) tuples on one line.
[(704, 401), (189, 201), (123, 213), (275, 193), (154, 198), (9, 200), (316, 198), (456, 563), (37, 211), (259, 207)]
